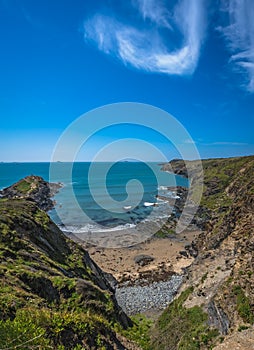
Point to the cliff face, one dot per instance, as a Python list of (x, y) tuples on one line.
[(52, 295), (219, 287)]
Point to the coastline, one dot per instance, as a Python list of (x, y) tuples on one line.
[(148, 275), (146, 285), (143, 259), (165, 261), (146, 269)]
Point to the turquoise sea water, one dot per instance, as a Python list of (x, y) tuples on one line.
[(115, 196)]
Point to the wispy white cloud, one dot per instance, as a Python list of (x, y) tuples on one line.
[(221, 143), (155, 11), (147, 49), (215, 143), (225, 143), (239, 34)]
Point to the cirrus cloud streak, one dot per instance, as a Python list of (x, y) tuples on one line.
[(239, 35), (159, 37), (147, 49)]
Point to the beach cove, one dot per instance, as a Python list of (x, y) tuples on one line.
[(124, 246)]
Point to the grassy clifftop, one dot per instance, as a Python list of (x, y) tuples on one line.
[(52, 295), (217, 298)]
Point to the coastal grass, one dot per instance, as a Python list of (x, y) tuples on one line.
[(50, 296), (164, 233), (46, 329), (183, 328), (139, 332), (23, 186), (243, 305), (219, 174)]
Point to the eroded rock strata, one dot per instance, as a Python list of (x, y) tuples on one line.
[(216, 300)]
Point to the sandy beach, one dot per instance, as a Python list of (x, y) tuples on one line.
[(164, 252)]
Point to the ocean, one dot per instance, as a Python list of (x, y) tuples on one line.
[(102, 197)]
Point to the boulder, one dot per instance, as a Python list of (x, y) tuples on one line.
[(143, 260)]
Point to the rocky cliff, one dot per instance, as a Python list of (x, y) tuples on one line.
[(52, 295), (216, 301), (33, 188)]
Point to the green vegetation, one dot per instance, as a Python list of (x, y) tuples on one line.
[(41, 218), (204, 277), (47, 329), (215, 201), (243, 304), (140, 332), (242, 327), (164, 233), (23, 332), (218, 174), (183, 328), (23, 186), (26, 186), (51, 294)]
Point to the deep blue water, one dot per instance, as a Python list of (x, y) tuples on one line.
[(114, 196)]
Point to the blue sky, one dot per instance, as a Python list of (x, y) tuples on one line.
[(62, 58)]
